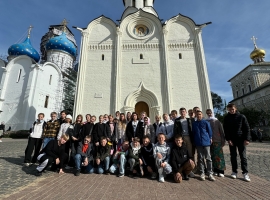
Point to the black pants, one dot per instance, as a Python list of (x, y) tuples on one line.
[(47, 160), (242, 153), (33, 143)]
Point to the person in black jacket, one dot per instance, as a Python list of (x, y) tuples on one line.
[(88, 128), (2, 130), (112, 126), (84, 157), (181, 163), (53, 154), (147, 157), (237, 133), (103, 156), (100, 130), (134, 128)]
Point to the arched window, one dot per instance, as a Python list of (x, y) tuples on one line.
[(19, 76), (141, 56), (102, 57), (180, 56)]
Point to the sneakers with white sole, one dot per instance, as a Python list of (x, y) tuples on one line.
[(221, 175), (234, 175), (154, 175), (215, 174), (246, 177), (191, 175), (161, 179), (202, 177), (211, 177), (27, 164)]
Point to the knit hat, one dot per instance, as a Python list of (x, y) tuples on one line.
[(69, 117)]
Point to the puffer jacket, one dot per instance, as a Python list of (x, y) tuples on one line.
[(164, 150), (236, 127), (202, 133)]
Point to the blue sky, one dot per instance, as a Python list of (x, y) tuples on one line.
[(227, 41)]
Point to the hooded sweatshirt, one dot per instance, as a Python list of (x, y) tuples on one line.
[(164, 150)]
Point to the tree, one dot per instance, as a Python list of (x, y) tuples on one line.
[(69, 81), (254, 117), (217, 103)]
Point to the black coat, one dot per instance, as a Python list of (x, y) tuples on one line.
[(53, 150), (112, 135), (87, 129), (179, 155), (100, 130), (147, 155), (77, 131), (89, 153), (103, 152), (178, 129), (236, 127), (130, 131)]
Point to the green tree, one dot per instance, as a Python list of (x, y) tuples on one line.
[(253, 116), (217, 103), (69, 81)]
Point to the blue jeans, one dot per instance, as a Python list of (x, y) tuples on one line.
[(103, 165), (46, 141), (78, 162), (122, 163)]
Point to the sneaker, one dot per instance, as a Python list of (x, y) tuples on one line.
[(38, 173), (107, 172), (1, 141), (154, 175), (131, 175), (27, 164), (215, 174), (68, 167), (191, 175), (202, 177), (246, 177), (121, 175), (161, 179), (234, 175), (221, 175), (77, 173), (185, 177), (135, 176), (141, 170), (211, 177)]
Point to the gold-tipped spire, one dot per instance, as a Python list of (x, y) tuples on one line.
[(257, 55), (254, 41), (29, 30), (64, 23)]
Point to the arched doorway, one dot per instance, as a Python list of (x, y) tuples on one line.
[(140, 107)]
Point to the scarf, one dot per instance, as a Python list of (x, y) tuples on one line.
[(84, 148)]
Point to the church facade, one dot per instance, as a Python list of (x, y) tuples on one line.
[(142, 64), (31, 84)]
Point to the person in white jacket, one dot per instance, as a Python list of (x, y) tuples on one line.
[(34, 140), (167, 128)]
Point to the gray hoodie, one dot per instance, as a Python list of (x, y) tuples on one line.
[(164, 150)]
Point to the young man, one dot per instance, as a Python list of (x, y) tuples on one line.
[(62, 117), (237, 133), (120, 159), (84, 157), (157, 126), (181, 162), (147, 157), (148, 130), (173, 115), (34, 140), (134, 160), (142, 116), (183, 127), (191, 114), (51, 129), (53, 154), (103, 156), (88, 127), (162, 157), (100, 130), (202, 134), (167, 128)]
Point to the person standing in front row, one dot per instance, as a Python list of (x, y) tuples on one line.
[(134, 128), (100, 130), (167, 129), (34, 140), (202, 134), (237, 133)]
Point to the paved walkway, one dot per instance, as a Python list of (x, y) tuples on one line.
[(18, 182)]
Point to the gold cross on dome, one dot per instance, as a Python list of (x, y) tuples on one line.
[(29, 30), (64, 23), (254, 41)]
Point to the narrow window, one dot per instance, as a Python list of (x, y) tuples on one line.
[(180, 56), (249, 87), (46, 102), (243, 91), (19, 75), (134, 4), (237, 94), (50, 81), (144, 3), (141, 56), (102, 57)]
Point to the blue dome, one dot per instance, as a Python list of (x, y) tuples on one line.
[(61, 43), (24, 48)]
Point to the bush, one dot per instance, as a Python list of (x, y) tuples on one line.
[(17, 134)]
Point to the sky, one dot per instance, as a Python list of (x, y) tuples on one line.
[(227, 41)]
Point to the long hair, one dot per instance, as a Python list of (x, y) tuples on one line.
[(76, 122)]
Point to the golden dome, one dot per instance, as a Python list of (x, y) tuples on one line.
[(257, 53)]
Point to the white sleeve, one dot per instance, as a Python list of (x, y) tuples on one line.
[(60, 132)]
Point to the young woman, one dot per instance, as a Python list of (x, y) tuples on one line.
[(121, 130), (134, 128), (128, 117)]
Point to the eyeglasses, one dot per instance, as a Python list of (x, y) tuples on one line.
[(87, 140)]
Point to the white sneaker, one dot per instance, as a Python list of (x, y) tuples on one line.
[(234, 175), (191, 175), (211, 177), (246, 177), (27, 164), (215, 174), (161, 179), (202, 177), (221, 175), (1, 141)]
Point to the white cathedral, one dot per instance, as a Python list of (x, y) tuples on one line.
[(29, 84), (142, 64)]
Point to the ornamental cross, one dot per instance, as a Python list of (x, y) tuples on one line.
[(29, 30), (254, 41), (64, 23)]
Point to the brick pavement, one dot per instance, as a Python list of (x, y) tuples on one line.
[(17, 182)]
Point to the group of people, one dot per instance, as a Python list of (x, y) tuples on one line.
[(130, 144)]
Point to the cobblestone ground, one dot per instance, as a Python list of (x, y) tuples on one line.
[(18, 182)]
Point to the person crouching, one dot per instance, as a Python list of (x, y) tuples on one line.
[(53, 154)]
